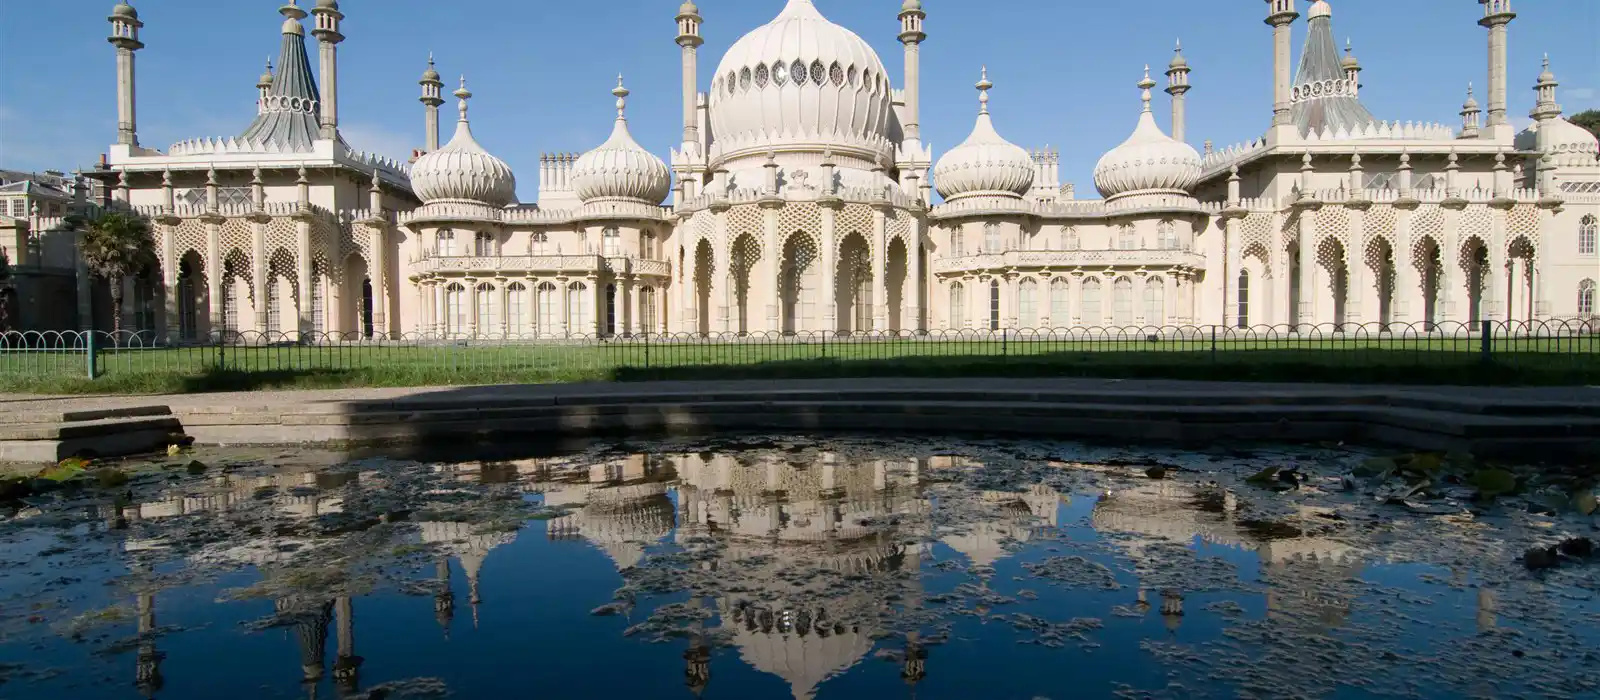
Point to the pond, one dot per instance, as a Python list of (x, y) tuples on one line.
[(777, 567)]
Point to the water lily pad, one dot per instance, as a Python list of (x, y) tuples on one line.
[(1376, 466), (67, 469), (1493, 482), (1265, 477)]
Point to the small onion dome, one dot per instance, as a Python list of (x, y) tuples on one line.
[(1471, 105), (1349, 62), (462, 170), (1149, 161), (1178, 61), (266, 77), (327, 4), (124, 10), (1320, 8), (984, 164), (911, 6), (620, 168), (688, 8), (431, 75)]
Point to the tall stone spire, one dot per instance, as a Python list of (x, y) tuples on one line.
[(292, 117), (125, 26), (1178, 87), (1324, 94)]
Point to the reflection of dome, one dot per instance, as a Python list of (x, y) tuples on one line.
[(805, 662), (801, 81), (620, 168), (462, 170), (1149, 162), (621, 521), (984, 164)]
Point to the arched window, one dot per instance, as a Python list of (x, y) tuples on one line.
[(994, 305), (1586, 298), (446, 246), (580, 309), (958, 246), (1244, 298), (188, 307), (549, 309), (1090, 299), (455, 309), (647, 310), (1028, 303), (1169, 234), (958, 305), (1155, 301), (483, 245), (611, 242), (485, 309), (319, 304), (648, 246), (516, 309), (1588, 230), (1122, 302), (1125, 238), (1060, 302), (991, 238), (274, 307), (1069, 238), (540, 244)]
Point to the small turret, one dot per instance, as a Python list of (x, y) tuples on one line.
[(1177, 87), (1352, 69), (1546, 107), (327, 18), (125, 26), (432, 98), (264, 85), (1470, 115)]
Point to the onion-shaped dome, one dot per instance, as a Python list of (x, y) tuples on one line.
[(124, 10), (1471, 105), (688, 8), (1178, 61), (1320, 8), (1149, 162), (803, 81), (327, 4), (1560, 137), (1349, 62), (620, 168), (266, 77), (984, 164), (431, 75), (911, 5), (462, 170)]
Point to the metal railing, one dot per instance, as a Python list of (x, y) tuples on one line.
[(1569, 346)]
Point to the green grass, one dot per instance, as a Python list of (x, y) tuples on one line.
[(1414, 361)]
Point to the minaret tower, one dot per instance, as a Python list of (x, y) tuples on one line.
[(1280, 14), (912, 36), (1546, 108), (1177, 86), (264, 85), (1470, 114), (689, 40), (1497, 15), (432, 98), (1352, 69), (125, 27), (328, 16)]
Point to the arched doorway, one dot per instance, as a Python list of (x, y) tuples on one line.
[(705, 267), (1426, 259), (1474, 262), (1333, 281), (853, 286), (895, 277), (743, 257), (1380, 261), (800, 284)]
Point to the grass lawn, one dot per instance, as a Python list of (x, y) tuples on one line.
[(1392, 360)]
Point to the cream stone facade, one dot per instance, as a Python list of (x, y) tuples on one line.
[(801, 199)]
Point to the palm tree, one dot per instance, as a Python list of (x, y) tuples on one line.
[(117, 245)]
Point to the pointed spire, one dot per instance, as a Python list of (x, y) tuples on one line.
[(622, 93), (1144, 86), (983, 91), (463, 94)]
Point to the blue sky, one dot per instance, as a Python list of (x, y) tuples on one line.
[(542, 69)]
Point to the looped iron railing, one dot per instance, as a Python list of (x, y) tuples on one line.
[(1571, 345)]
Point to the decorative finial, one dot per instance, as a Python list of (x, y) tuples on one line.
[(1144, 86), (622, 98), (463, 94), (983, 91)]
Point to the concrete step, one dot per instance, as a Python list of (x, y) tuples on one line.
[(117, 436)]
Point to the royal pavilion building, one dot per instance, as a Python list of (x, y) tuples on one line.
[(802, 198)]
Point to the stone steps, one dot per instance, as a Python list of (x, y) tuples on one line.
[(52, 437)]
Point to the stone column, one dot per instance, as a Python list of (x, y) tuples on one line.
[(214, 269), (688, 293), (625, 306), (1450, 275), (830, 282), (441, 320), (1308, 271), (912, 296), (1494, 294), (1355, 269), (723, 275), (379, 272), (170, 301), (566, 306), (880, 277), (302, 259), (1407, 304), (765, 286), (1011, 302), (1233, 262), (258, 243), (597, 292), (505, 306)]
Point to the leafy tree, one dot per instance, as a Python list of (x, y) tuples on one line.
[(1589, 120), (117, 245), (5, 291)]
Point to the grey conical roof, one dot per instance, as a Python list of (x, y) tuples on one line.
[(1318, 109), (293, 114)]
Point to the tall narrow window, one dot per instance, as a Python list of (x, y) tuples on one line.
[(368, 326), (1125, 238), (1155, 301), (580, 309), (516, 309), (609, 328), (1588, 230), (958, 305), (991, 238), (274, 307), (318, 306), (1122, 302), (549, 309), (957, 242), (994, 305), (446, 246), (455, 312), (611, 242), (1069, 238), (1168, 233), (541, 244), (1586, 298), (188, 304), (1060, 302), (483, 245), (486, 303), (230, 305), (1027, 303), (1091, 302), (647, 310), (649, 246), (1244, 298), (144, 305)]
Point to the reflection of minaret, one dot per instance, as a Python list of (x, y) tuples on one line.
[(1487, 607), (147, 672), (472, 563), (444, 602), (1171, 609), (346, 666), (697, 660), (312, 632)]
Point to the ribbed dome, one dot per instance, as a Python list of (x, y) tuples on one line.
[(462, 170), (801, 80), (1149, 161), (123, 9), (620, 168), (986, 163), (1559, 136)]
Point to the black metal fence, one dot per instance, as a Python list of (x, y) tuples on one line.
[(1568, 346)]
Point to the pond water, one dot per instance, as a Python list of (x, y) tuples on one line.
[(784, 567)]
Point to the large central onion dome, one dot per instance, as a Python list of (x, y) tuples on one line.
[(985, 164), (620, 168), (1149, 162), (800, 83), (462, 171)]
